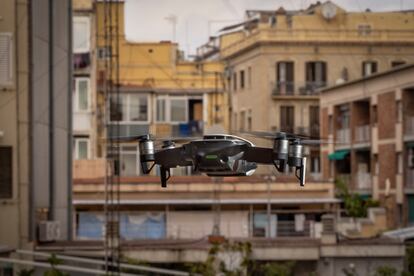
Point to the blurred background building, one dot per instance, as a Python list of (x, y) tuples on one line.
[(35, 122)]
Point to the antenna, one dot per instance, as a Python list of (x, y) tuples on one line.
[(172, 19)]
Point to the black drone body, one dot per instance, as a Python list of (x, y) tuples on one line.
[(222, 155)]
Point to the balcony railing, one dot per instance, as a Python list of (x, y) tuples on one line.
[(362, 134), (409, 178), (343, 136), (345, 178), (284, 88), (363, 180), (409, 125)]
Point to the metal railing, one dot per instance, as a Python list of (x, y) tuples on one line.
[(409, 125), (343, 136), (285, 88), (362, 134), (363, 180), (409, 178), (346, 178)]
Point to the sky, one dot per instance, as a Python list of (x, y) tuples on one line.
[(196, 20)]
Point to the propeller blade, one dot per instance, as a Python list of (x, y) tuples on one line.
[(178, 139), (278, 134), (318, 142)]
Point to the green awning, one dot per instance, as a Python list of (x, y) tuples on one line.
[(410, 145), (338, 155)]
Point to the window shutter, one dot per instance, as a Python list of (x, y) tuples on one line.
[(5, 59), (6, 172)]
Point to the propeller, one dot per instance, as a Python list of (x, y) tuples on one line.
[(302, 139), (179, 139)]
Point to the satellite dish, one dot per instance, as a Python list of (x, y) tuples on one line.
[(328, 10)]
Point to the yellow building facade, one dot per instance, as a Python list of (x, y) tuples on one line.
[(160, 92)]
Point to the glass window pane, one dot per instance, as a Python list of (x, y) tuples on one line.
[(83, 88), (138, 108), (161, 110), (81, 35), (118, 108), (82, 149), (178, 110), (128, 164)]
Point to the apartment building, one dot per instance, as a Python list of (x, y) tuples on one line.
[(278, 59), (84, 97), (372, 119), (163, 94), (159, 91), (35, 132)]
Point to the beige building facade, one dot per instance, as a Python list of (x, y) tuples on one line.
[(35, 122), (276, 61)]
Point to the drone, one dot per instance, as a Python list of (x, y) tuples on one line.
[(223, 155)]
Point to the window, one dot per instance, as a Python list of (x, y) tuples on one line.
[(81, 34), (234, 81), (315, 76), (249, 76), (287, 119), (129, 164), (369, 68), (104, 52), (82, 88), (249, 120), (129, 108), (178, 110), (315, 164), (242, 120), (285, 78), (314, 121), (242, 79), (161, 110), (81, 148), (330, 124), (364, 30), (397, 63), (6, 183), (6, 69)]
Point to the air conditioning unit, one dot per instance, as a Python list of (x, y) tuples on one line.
[(49, 231)]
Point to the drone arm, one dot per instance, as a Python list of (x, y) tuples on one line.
[(259, 155), (171, 158)]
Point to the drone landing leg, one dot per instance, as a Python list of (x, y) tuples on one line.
[(165, 175), (302, 172)]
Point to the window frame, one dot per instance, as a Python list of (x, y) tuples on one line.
[(9, 196), (127, 121), (76, 105), (88, 152), (10, 76), (172, 98), (87, 21)]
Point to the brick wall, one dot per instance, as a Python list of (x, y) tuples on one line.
[(386, 115)]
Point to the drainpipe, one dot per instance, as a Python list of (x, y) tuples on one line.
[(70, 114), (51, 213)]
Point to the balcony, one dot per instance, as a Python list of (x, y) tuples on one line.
[(345, 178), (343, 136), (409, 178), (362, 134), (409, 126), (82, 122), (287, 89), (363, 180)]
